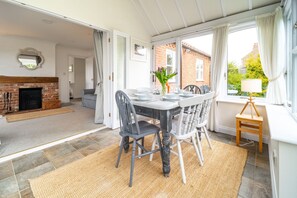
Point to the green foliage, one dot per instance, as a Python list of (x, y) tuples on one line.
[(253, 71), (162, 75), (234, 78)]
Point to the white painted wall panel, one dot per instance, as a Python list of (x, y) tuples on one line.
[(62, 56), (9, 48)]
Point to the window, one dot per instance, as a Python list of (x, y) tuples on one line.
[(291, 58), (170, 63), (244, 61), (195, 60), (199, 70)]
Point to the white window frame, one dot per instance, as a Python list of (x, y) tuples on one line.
[(199, 69), (291, 58), (224, 89), (173, 65)]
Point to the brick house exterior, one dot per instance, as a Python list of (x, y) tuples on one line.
[(188, 67)]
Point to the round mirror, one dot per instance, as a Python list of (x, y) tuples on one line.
[(30, 58)]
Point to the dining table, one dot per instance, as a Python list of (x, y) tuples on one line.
[(158, 107)]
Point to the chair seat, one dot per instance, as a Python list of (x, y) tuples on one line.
[(145, 129)]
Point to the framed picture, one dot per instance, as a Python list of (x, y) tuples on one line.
[(138, 50)]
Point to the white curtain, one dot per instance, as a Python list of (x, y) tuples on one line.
[(218, 63), (98, 48), (271, 36)]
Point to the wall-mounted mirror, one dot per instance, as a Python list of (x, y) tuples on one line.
[(30, 58)]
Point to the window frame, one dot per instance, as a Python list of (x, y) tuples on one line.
[(173, 65), (199, 70), (224, 89), (290, 18)]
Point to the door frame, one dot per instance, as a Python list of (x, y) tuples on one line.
[(114, 110)]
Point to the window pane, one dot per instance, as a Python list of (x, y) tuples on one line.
[(165, 56), (196, 57), (244, 61)]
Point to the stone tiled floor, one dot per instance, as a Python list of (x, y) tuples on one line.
[(14, 174)]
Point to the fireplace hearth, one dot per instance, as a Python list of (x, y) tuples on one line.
[(30, 98)]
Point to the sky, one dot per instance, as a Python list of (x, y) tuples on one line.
[(240, 43)]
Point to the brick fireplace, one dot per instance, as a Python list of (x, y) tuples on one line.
[(11, 86)]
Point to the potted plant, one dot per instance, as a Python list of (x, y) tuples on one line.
[(163, 77)]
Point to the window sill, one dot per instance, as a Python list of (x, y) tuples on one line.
[(239, 100), (199, 80), (282, 125)]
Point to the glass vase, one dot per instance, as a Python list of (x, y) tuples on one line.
[(163, 91)]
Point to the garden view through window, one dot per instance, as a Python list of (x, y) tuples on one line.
[(244, 61)]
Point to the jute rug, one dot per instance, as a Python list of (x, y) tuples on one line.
[(96, 175), (37, 114)]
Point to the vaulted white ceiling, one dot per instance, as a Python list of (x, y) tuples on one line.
[(19, 21), (162, 16), (159, 17)]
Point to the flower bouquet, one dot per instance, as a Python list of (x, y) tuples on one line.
[(163, 77)]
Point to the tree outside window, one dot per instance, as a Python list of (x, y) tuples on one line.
[(244, 61)]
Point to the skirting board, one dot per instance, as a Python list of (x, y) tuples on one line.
[(232, 131)]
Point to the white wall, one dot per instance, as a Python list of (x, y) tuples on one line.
[(79, 77), (226, 118), (62, 56), (139, 73), (89, 73), (9, 48)]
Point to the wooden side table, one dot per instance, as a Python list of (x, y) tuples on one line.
[(247, 123)]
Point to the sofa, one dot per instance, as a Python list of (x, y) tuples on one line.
[(89, 98)]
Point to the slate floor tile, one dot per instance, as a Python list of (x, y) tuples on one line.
[(249, 171), (22, 178), (261, 191), (8, 186), (66, 159), (6, 170), (58, 150), (90, 149), (29, 161), (246, 187), (262, 176), (27, 193), (82, 142)]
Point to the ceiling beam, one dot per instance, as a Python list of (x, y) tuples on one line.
[(163, 14), (140, 9), (223, 8), (200, 11), (231, 19), (181, 13), (250, 4)]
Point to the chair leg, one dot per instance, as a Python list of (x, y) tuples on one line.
[(207, 137), (120, 152), (196, 150), (199, 146), (153, 147), (181, 162), (132, 163)]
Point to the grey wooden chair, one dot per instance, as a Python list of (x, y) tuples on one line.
[(193, 88), (130, 127), (184, 129), (204, 89)]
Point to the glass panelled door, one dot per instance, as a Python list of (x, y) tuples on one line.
[(120, 58)]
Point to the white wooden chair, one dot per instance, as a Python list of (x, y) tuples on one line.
[(201, 126), (184, 128)]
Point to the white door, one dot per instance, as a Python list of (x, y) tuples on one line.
[(120, 62)]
